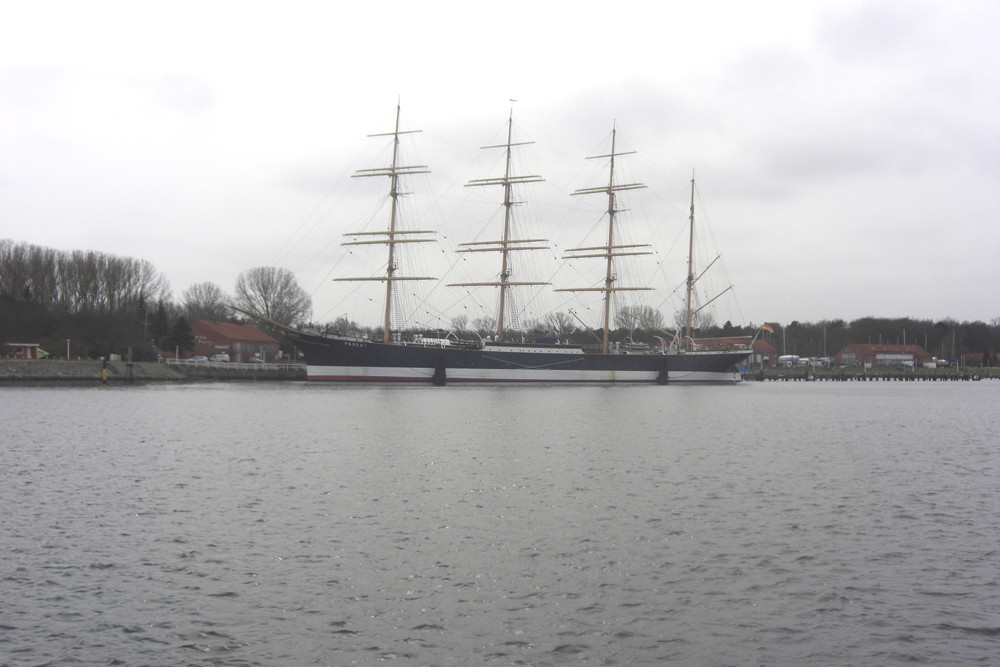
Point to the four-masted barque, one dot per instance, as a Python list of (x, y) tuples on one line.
[(339, 357)]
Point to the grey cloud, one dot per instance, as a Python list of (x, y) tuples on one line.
[(33, 88), (177, 93), (873, 30)]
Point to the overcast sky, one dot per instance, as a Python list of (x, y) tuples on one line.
[(847, 153)]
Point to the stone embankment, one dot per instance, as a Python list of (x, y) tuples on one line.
[(201, 370), (16, 371), (26, 370)]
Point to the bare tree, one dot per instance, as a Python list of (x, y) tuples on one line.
[(560, 324), (484, 326), (78, 281), (273, 293), (102, 301), (699, 321), (638, 317), (460, 323), (206, 301)]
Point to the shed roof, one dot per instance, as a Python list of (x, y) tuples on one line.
[(233, 331)]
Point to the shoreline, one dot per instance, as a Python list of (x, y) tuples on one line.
[(86, 372), (52, 372)]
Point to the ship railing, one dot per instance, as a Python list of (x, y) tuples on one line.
[(359, 338)]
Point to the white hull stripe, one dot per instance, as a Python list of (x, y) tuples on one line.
[(401, 374)]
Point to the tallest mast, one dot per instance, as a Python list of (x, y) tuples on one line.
[(394, 195), (690, 275), (609, 275), (507, 243), (611, 249), (392, 236)]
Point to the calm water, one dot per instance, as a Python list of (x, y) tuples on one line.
[(263, 524)]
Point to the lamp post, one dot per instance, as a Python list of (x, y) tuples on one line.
[(67, 349)]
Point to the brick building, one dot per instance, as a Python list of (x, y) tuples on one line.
[(23, 351), (241, 342), (882, 355)]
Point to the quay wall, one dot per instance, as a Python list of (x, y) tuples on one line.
[(15, 371), (871, 374), (83, 372), (237, 371)]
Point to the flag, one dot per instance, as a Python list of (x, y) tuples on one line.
[(768, 328)]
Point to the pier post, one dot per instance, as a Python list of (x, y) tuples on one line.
[(439, 373)]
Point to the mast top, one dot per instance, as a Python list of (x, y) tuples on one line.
[(507, 245), (612, 248), (392, 236)]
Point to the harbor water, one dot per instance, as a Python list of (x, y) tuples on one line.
[(289, 523)]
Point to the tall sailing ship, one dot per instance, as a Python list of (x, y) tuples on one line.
[(338, 357)]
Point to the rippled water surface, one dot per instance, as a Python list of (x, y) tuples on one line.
[(263, 524)]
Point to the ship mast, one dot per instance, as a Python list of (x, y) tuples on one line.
[(392, 236), (506, 245), (689, 309), (690, 274), (612, 249)]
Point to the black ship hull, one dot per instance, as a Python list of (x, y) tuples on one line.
[(344, 359)]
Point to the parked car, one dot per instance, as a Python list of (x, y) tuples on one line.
[(219, 357), (198, 359)]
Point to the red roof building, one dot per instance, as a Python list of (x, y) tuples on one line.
[(241, 342), (22, 351), (882, 355), (764, 353)]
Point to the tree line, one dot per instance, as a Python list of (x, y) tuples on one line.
[(945, 338), (106, 304)]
